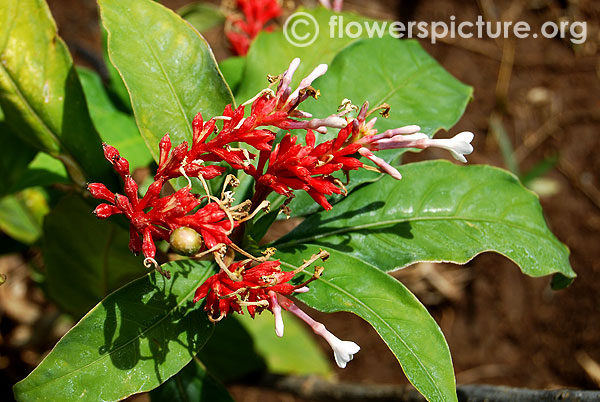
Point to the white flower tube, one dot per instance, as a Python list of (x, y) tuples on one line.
[(343, 351)]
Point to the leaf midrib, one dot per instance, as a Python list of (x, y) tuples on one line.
[(140, 335), (397, 87), (366, 307), (409, 219), (175, 94)]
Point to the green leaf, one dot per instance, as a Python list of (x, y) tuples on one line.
[(387, 70), (16, 156), (295, 353), (271, 53), (438, 212), (116, 87), (23, 166), (233, 71), (42, 171), (20, 216), (349, 284), (116, 128), (560, 281), (202, 16), (222, 360), (40, 92), (134, 340), (86, 258), (397, 72), (193, 383), (168, 68)]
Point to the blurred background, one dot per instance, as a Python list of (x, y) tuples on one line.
[(535, 112)]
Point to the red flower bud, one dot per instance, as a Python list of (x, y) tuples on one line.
[(103, 211), (99, 190), (122, 167), (148, 246), (131, 190), (110, 153)]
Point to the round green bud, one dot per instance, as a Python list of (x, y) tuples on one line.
[(185, 241)]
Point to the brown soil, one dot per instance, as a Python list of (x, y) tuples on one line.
[(502, 327)]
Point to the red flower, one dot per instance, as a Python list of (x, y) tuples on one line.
[(256, 14), (153, 217), (296, 167), (256, 288), (224, 295)]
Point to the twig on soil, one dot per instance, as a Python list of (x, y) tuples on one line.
[(587, 188), (591, 367), (491, 51), (316, 389), (551, 126)]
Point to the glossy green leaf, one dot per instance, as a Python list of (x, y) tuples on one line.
[(86, 258), (202, 16), (271, 53), (349, 284), (134, 340), (115, 85), (294, 353), (115, 127), (193, 383), (397, 72), (40, 92), (167, 66), (386, 70), (233, 71), (439, 211)]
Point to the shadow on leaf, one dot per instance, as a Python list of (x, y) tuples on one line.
[(145, 325)]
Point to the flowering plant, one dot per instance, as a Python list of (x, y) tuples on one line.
[(225, 174)]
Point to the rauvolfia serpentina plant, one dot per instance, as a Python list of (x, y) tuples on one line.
[(314, 132)]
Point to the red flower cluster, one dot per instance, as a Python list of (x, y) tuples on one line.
[(256, 288), (282, 168), (154, 218), (224, 294), (309, 168), (256, 14)]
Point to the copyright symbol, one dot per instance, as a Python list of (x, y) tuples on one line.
[(301, 29)]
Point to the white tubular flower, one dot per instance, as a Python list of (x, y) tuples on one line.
[(286, 80), (383, 165), (320, 125), (276, 309), (306, 82), (337, 5), (343, 351), (300, 114), (283, 91), (303, 289), (459, 145), (409, 137)]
